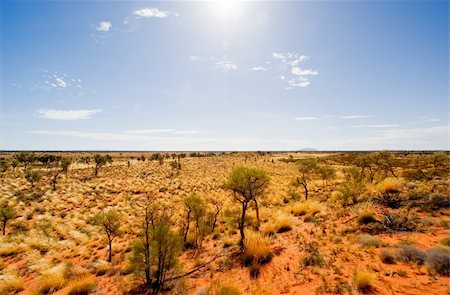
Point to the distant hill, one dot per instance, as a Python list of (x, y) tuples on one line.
[(308, 150)]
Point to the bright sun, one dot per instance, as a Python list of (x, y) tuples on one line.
[(226, 8)]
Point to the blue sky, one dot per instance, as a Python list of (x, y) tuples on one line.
[(218, 75)]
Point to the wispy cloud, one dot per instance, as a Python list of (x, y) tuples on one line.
[(291, 71), (193, 58), (66, 114), (355, 117), (259, 68), (58, 81), (104, 26), (306, 118), (151, 12), (376, 126), (226, 65), (426, 119), (187, 132), (149, 131)]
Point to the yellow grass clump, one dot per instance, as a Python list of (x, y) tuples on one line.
[(256, 248), (389, 185), (364, 280), (52, 280), (280, 222), (10, 284), (308, 207), (83, 285)]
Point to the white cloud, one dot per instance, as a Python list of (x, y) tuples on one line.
[(151, 12), (57, 81), (298, 83), (147, 131), (430, 138), (60, 82), (376, 126), (299, 72), (66, 114), (355, 117), (296, 76), (263, 69), (226, 65), (187, 132), (193, 58), (306, 118), (104, 26)]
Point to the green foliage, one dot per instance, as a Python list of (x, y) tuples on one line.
[(33, 176), (6, 213), (110, 222), (247, 184), (101, 160)]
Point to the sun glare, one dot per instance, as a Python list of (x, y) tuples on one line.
[(226, 8)]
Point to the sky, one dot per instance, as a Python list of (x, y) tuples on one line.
[(224, 75)]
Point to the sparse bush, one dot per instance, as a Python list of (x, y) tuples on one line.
[(364, 280), (313, 258), (367, 241), (439, 261), (406, 253), (445, 241), (6, 213), (387, 257)]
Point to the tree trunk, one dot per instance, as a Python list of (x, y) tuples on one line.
[(188, 222), (215, 220), (306, 190), (257, 214), (110, 251), (4, 226), (241, 225)]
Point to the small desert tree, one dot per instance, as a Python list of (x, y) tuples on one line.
[(110, 224), (3, 166), (247, 184), (65, 165), (32, 176), (156, 249), (307, 169), (100, 161), (26, 159), (327, 173), (6, 213), (195, 210)]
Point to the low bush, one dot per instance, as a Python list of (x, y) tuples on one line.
[(367, 241), (406, 253), (445, 241), (313, 257), (387, 257), (438, 260)]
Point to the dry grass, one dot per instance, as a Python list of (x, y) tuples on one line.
[(256, 247), (364, 280), (81, 286), (308, 208), (11, 284), (279, 222)]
